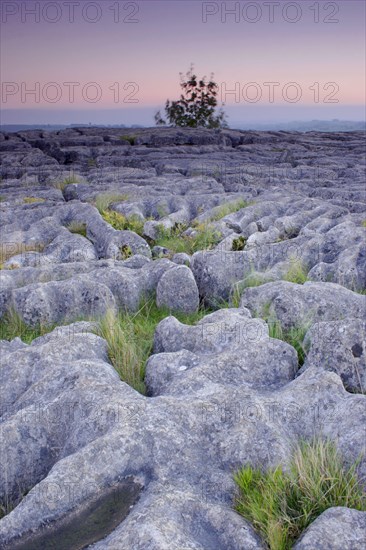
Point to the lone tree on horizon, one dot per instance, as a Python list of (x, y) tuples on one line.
[(196, 106)]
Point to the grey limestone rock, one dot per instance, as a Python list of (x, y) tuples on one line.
[(177, 290), (68, 419), (295, 305), (339, 346), (223, 346), (221, 393), (336, 529)]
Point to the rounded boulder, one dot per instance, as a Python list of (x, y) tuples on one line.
[(177, 290)]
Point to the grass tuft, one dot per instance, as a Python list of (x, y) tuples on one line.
[(115, 219), (131, 139), (9, 502), (228, 208), (67, 181), (294, 336), (296, 273), (6, 506), (71, 179), (130, 338), (126, 252), (282, 505), (77, 227), (253, 279), (12, 326), (104, 200), (204, 237), (238, 244), (121, 223)]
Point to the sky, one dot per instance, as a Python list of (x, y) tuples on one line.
[(116, 62)]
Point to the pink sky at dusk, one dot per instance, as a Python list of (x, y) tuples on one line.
[(134, 56)]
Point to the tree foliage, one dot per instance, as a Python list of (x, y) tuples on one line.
[(196, 106)]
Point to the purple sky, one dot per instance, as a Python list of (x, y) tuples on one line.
[(126, 64)]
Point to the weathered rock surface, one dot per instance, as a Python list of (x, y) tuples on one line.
[(222, 348), (296, 305), (69, 420), (297, 206), (221, 393), (336, 529), (339, 346), (177, 290)]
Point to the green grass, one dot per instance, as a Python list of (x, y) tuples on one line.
[(205, 237), (126, 252), (77, 227), (131, 139), (67, 181), (115, 219), (281, 505), (250, 280), (294, 336), (120, 222), (8, 503), (6, 506), (236, 294), (253, 279), (10, 500), (228, 208), (296, 273), (12, 326), (364, 223), (104, 200), (129, 336), (162, 211), (71, 179), (130, 339), (239, 244)]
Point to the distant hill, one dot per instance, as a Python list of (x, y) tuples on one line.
[(307, 126), (20, 127), (55, 127), (295, 126)]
